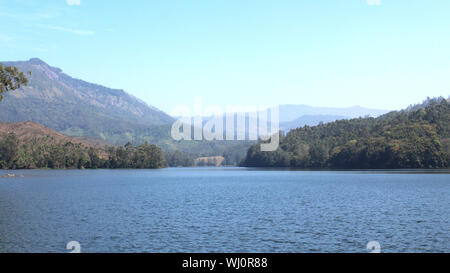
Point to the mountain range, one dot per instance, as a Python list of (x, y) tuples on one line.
[(289, 112), (295, 116), (80, 109)]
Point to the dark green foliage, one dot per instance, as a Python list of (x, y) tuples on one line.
[(10, 79), (415, 138), (234, 154), (178, 159), (9, 149), (46, 153), (146, 156)]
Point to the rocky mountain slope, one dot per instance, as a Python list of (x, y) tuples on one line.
[(75, 107), (27, 131)]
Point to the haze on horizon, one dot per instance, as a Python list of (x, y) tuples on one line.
[(319, 53)]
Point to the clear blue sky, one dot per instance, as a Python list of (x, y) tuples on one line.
[(316, 52)]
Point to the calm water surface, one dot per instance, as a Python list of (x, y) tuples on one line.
[(224, 210)]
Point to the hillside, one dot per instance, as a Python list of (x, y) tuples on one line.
[(28, 145), (78, 108), (293, 116), (27, 131), (84, 110), (415, 138)]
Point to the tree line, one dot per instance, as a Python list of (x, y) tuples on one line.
[(46, 153)]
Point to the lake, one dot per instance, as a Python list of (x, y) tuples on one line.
[(224, 210)]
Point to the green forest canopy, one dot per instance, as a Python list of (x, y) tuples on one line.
[(418, 137), (47, 153)]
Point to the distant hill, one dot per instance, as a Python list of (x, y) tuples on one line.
[(27, 131), (291, 112), (310, 120), (78, 108), (295, 116), (418, 137), (28, 145)]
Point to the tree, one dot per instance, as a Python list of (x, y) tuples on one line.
[(10, 79), (178, 159), (9, 149)]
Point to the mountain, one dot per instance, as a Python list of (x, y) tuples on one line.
[(84, 110), (77, 108), (418, 137), (291, 112), (80, 109), (295, 116), (309, 120)]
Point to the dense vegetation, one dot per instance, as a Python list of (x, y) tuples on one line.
[(178, 159), (46, 153), (418, 137), (233, 152)]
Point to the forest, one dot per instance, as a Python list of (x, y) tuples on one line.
[(43, 153), (418, 137)]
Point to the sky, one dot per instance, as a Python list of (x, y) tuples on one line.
[(384, 54)]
